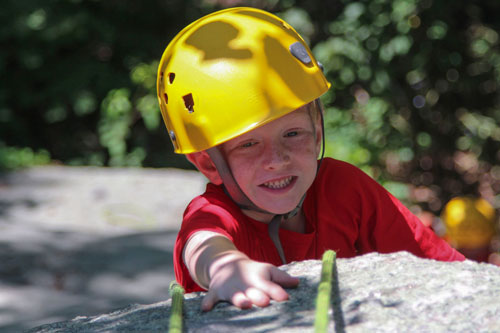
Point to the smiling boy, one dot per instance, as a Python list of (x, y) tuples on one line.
[(239, 93)]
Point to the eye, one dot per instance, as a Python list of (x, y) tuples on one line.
[(247, 144), (291, 133)]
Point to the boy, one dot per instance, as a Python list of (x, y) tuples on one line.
[(239, 93)]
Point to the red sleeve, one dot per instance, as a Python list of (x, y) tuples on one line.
[(395, 228), (375, 220), (200, 215)]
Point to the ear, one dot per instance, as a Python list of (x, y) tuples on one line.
[(203, 162)]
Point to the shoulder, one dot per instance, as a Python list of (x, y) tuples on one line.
[(345, 183), (340, 172), (214, 196), (213, 210)]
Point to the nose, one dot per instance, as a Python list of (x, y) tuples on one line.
[(275, 155)]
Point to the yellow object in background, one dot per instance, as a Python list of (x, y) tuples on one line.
[(470, 222)]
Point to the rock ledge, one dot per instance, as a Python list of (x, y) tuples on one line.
[(378, 293)]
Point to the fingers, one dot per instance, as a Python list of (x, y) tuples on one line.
[(243, 300), (271, 288), (274, 291), (278, 280), (238, 298), (283, 278), (257, 297), (256, 289), (209, 301)]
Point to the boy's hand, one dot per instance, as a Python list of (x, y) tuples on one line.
[(229, 275), (245, 282)]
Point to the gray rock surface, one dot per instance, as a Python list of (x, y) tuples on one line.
[(84, 241), (98, 201), (375, 293)]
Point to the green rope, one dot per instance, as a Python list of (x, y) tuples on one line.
[(324, 291), (177, 294)]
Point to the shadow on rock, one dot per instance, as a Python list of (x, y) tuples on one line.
[(63, 274)]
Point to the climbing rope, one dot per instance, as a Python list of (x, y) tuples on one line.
[(324, 292), (177, 295)]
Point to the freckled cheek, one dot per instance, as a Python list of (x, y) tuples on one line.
[(302, 152), (241, 167), (302, 147)]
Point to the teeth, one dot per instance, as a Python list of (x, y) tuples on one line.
[(279, 183)]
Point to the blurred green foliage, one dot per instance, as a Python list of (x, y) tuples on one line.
[(78, 80), (415, 97)]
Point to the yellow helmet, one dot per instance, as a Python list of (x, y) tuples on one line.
[(470, 223), (230, 72)]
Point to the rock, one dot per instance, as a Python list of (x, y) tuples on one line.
[(378, 293), (97, 201), (87, 240)]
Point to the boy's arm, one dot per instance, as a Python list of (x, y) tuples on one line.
[(229, 275)]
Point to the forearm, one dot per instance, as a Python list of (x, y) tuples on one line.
[(206, 252)]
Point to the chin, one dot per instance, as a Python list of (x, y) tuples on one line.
[(280, 210)]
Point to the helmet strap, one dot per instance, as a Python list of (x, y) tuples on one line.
[(273, 229), (229, 184), (319, 107)]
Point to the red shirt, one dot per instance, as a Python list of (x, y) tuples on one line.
[(346, 211)]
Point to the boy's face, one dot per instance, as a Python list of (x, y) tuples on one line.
[(276, 163)]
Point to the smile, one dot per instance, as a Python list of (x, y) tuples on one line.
[(278, 184)]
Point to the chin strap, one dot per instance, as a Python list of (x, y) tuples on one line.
[(234, 191), (273, 228), (229, 184)]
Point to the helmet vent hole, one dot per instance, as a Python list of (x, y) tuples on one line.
[(171, 77), (165, 97), (188, 102)]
